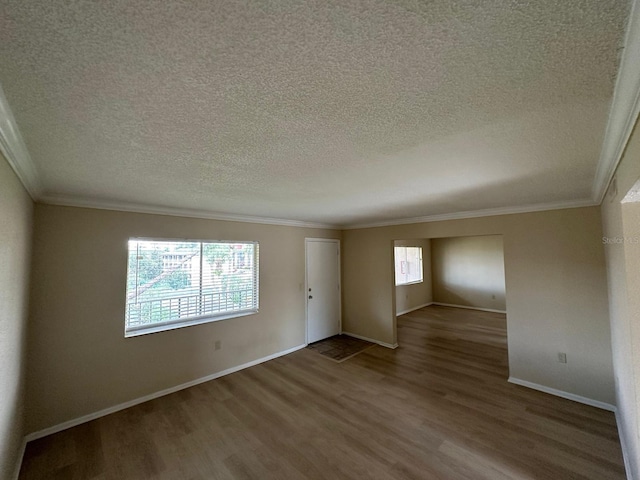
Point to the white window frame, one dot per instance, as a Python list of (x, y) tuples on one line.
[(173, 324), (395, 255)]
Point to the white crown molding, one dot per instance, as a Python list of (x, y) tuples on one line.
[(73, 201), (625, 107), (15, 151), (489, 212)]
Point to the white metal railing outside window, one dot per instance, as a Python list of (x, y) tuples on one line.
[(172, 284)]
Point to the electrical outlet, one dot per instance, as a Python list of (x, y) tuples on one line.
[(217, 345), (562, 357)]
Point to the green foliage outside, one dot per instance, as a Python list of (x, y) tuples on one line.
[(216, 254), (153, 281), (149, 267)]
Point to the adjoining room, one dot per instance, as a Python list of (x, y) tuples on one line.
[(456, 272)]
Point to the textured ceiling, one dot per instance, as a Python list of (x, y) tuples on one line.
[(332, 111)]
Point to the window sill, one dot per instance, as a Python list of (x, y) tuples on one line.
[(175, 324), (409, 283)]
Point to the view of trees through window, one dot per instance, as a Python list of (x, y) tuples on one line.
[(169, 281)]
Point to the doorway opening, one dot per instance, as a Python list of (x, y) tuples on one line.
[(461, 297), (464, 272)]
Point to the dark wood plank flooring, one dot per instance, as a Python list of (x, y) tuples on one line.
[(438, 407)]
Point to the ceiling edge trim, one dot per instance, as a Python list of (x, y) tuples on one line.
[(72, 201), (625, 107), (540, 207), (15, 151)]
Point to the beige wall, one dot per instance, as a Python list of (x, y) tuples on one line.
[(556, 292), (411, 297), (623, 269), (469, 271), (79, 360), (16, 211)]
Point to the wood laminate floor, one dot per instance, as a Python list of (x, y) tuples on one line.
[(438, 407)]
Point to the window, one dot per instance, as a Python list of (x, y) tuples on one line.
[(173, 284), (408, 265)]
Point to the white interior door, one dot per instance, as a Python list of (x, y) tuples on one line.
[(323, 288)]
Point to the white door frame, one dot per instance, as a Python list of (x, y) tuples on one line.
[(306, 283)]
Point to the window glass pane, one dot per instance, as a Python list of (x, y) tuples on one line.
[(228, 278), (408, 265), (414, 263), (170, 282)]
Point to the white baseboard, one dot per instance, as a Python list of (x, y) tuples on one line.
[(413, 309), (468, 308), (16, 471), (563, 394), (623, 446), (372, 340), (146, 398)]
